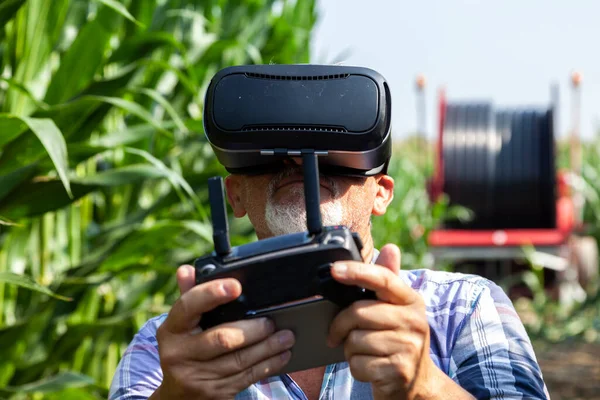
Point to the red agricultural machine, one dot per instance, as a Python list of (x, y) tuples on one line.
[(500, 163)]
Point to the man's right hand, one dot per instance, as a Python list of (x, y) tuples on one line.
[(222, 361)]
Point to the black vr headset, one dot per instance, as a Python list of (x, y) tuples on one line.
[(256, 116)]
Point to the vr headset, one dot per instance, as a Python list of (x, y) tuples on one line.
[(256, 116)]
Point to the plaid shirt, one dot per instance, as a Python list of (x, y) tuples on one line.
[(477, 339)]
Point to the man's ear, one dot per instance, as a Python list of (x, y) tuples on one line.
[(233, 186), (384, 186)]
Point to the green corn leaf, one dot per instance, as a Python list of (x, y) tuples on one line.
[(149, 245), (34, 35), (27, 283), (9, 181), (77, 120), (125, 175), (79, 152), (54, 142), (184, 80), (188, 14), (21, 88), (142, 45), (72, 394), (113, 85), (156, 96), (8, 8), (201, 229), (135, 109), (176, 179), (6, 222), (56, 383), (90, 45), (70, 118), (39, 197), (143, 11), (126, 136), (11, 128), (121, 9), (48, 135)]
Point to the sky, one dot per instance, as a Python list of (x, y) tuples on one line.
[(505, 51)]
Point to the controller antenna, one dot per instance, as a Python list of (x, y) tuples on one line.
[(219, 216), (312, 198)]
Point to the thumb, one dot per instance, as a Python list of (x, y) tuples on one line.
[(389, 257), (186, 278)]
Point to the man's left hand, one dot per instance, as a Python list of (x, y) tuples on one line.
[(386, 341)]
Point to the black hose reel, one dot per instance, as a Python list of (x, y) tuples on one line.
[(500, 165)]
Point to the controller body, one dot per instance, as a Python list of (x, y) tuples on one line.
[(287, 278), (281, 270)]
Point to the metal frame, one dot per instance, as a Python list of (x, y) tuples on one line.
[(551, 257)]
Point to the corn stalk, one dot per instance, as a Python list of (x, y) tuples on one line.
[(103, 169)]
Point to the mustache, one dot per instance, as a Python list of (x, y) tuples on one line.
[(297, 170)]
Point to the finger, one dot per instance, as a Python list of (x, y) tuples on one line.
[(387, 285), (390, 258), (379, 344), (374, 343), (229, 337), (358, 367), (235, 362), (366, 315), (381, 369), (262, 370), (188, 309), (186, 276)]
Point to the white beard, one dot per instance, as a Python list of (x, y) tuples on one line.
[(283, 219)]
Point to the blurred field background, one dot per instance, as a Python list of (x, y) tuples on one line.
[(103, 170)]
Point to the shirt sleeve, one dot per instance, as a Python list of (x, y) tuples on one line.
[(492, 357), (138, 373)]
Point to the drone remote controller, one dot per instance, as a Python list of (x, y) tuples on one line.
[(286, 278)]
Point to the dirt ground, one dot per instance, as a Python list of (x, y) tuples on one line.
[(571, 370)]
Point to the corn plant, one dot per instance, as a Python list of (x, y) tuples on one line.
[(103, 169)]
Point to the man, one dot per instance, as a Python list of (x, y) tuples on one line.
[(429, 334)]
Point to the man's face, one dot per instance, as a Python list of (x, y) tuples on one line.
[(275, 202), (285, 210)]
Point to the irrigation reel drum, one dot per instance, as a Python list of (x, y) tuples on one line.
[(500, 164)]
